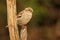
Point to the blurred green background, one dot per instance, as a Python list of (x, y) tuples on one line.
[(44, 23)]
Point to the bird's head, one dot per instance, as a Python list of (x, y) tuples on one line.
[(29, 9)]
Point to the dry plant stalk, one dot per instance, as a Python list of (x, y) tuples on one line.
[(23, 33), (12, 23)]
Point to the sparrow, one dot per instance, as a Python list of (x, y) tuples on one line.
[(24, 16)]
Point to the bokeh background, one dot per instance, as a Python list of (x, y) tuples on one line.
[(45, 23)]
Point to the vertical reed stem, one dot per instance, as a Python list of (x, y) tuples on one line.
[(11, 17)]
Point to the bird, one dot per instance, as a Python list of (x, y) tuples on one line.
[(24, 16)]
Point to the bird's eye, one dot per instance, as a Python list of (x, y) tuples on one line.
[(30, 10)]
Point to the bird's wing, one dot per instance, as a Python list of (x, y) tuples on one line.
[(20, 14)]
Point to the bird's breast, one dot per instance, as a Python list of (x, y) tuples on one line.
[(25, 18)]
